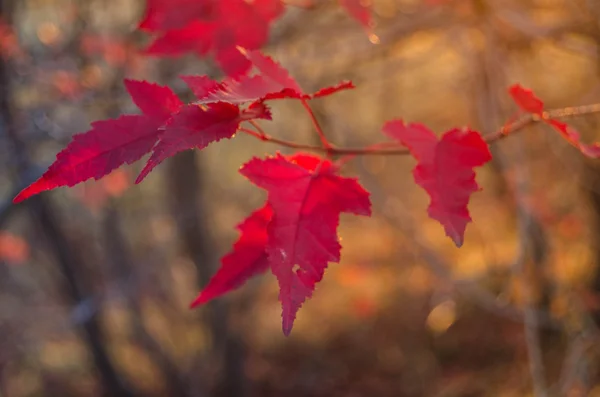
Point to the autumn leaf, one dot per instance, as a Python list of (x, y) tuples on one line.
[(110, 143), (247, 259), (196, 127), (529, 102), (172, 14), (273, 81), (444, 170), (94, 154), (217, 27), (155, 101), (526, 99), (307, 197), (572, 136)]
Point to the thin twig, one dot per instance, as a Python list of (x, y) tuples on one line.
[(393, 149), (313, 118)]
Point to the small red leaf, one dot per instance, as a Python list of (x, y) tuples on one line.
[(307, 197), (194, 127), (153, 100), (444, 170), (526, 99), (247, 259), (574, 139), (94, 154), (344, 85)]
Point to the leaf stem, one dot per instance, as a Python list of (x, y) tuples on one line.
[(395, 149), (326, 145)]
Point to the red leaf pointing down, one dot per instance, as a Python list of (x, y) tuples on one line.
[(307, 197), (529, 102), (444, 170), (247, 259), (110, 143)]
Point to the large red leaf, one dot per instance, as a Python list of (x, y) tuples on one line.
[(110, 143), (247, 259), (94, 154), (529, 102), (307, 197), (444, 170)]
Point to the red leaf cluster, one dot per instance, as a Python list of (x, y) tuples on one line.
[(210, 27), (295, 233), (220, 27), (530, 103)]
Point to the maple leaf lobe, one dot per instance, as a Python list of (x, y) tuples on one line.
[(153, 100), (247, 259)]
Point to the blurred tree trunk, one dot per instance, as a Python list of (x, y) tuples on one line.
[(592, 184), (591, 180), (119, 256), (185, 184), (46, 218)]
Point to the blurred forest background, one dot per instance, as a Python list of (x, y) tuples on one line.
[(96, 280)]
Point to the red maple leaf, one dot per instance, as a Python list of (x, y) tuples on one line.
[(529, 102), (444, 170), (197, 126), (526, 99), (272, 82), (307, 197), (247, 259), (212, 26), (110, 143)]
